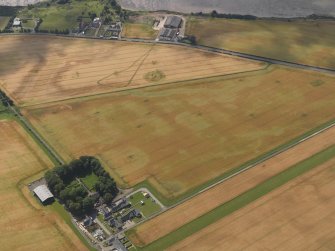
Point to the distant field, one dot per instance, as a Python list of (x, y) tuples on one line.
[(306, 42), (184, 213), (134, 30), (3, 22), (182, 135), (297, 216), (59, 68), (25, 224)]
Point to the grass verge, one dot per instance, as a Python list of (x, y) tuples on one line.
[(240, 201)]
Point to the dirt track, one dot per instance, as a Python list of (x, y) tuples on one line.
[(192, 209), (298, 216)]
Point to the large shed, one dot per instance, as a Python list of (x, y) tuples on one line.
[(173, 22), (43, 193)]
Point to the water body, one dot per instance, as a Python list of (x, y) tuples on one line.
[(260, 8)]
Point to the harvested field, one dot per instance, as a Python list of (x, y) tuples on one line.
[(54, 68), (180, 136), (306, 42), (25, 224), (201, 204), (296, 216)]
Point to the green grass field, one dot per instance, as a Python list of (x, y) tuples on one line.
[(149, 207), (139, 30), (28, 24), (62, 17), (306, 42), (90, 180), (241, 201), (3, 22)]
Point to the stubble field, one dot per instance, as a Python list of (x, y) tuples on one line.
[(306, 42), (25, 225), (297, 216), (180, 136), (203, 203), (54, 68)]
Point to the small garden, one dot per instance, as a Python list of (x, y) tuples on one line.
[(146, 205)]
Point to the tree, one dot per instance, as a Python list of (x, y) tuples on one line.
[(108, 198), (53, 180), (75, 208), (88, 204), (214, 13)]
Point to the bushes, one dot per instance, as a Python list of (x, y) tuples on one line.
[(62, 182), (6, 101)]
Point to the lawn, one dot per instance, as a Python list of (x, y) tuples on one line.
[(149, 207), (28, 24), (139, 30), (3, 22), (241, 201), (306, 42), (25, 224), (181, 136), (90, 180)]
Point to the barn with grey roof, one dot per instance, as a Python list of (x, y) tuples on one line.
[(173, 22), (43, 193)]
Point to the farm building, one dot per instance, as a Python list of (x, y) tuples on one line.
[(120, 204), (43, 193), (17, 22), (131, 215), (115, 223), (173, 22), (87, 222), (167, 34), (106, 212)]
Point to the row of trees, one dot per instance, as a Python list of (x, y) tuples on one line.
[(62, 182), (5, 100), (55, 31), (216, 14)]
